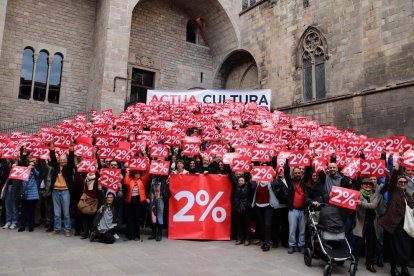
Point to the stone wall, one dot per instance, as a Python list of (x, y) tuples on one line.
[(376, 114), (158, 34), (370, 44), (63, 26)]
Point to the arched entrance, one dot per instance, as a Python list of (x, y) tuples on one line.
[(176, 44), (238, 71)]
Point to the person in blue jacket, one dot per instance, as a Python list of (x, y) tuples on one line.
[(30, 195)]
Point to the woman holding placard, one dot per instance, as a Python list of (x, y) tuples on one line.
[(365, 226)]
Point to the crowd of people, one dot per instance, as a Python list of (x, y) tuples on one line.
[(63, 200)]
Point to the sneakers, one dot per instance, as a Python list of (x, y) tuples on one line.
[(116, 236), (13, 226), (7, 225), (291, 250)]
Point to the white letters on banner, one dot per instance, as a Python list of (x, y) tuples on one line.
[(261, 97)]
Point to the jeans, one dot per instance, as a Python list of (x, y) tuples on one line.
[(61, 202), (12, 213), (297, 221)]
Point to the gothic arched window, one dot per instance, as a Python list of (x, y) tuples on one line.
[(312, 54)]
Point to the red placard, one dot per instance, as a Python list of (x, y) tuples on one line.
[(138, 163), (123, 155), (408, 159), (159, 151), (261, 155), (395, 143), (21, 173), (200, 207), (241, 164), (84, 140), (190, 149), (344, 197), (106, 152), (262, 173), (409, 145), (326, 144), (352, 168), (62, 140), (244, 151), (138, 146), (88, 165), (353, 147), (173, 140), (228, 157), (110, 178), (373, 168), (299, 158), (10, 152), (300, 143), (160, 167), (41, 152), (105, 141), (84, 150), (373, 145)]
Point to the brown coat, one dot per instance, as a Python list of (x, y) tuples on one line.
[(396, 204)]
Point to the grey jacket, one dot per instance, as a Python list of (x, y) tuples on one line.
[(359, 221)]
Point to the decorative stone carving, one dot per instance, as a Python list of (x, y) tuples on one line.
[(144, 61)]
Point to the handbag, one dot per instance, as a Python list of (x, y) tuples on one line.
[(409, 220), (88, 205)]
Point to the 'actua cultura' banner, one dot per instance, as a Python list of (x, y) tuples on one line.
[(261, 97)]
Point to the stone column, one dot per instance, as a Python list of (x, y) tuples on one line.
[(110, 57), (3, 10)]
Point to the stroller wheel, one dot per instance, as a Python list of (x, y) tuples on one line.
[(307, 257), (327, 270), (352, 270)]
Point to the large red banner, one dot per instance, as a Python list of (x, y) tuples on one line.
[(200, 207)]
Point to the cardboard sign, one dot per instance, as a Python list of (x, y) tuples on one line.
[(160, 167), (88, 165), (200, 207), (262, 173), (110, 178), (344, 197), (21, 173)]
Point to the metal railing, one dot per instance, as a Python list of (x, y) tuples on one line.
[(32, 125)]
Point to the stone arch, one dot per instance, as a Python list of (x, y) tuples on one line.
[(238, 71)]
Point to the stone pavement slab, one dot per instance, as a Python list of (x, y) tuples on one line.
[(39, 254)]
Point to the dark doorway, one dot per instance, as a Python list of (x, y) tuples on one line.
[(141, 81)]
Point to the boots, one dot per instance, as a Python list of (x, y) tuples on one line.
[(404, 271), (159, 232), (154, 232), (394, 271)]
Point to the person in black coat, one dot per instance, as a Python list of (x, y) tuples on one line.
[(241, 210)]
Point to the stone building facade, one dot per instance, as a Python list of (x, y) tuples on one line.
[(346, 63)]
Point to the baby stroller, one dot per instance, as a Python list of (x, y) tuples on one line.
[(328, 240)]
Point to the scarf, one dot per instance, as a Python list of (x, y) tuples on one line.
[(90, 180), (366, 194)]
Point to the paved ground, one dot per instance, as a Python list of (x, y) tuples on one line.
[(38, 254)]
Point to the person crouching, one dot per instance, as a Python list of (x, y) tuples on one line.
[(105, 220)]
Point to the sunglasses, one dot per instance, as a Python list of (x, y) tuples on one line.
[(114, 165), (402, 182)]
